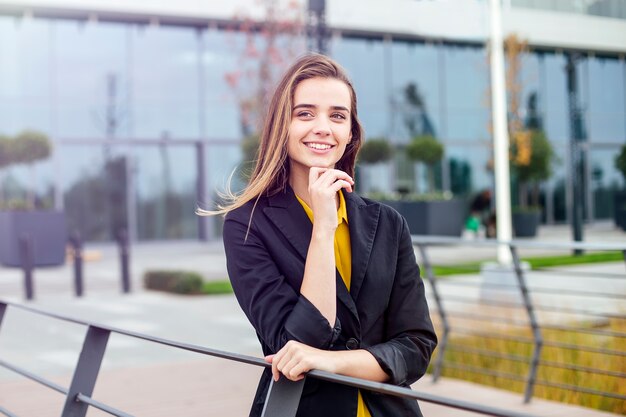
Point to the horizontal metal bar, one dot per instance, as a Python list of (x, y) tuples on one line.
[(483, 302), (184, 346), (483, 317), (581, 389), (488, 353), (444, 240), (588, 294), (452, 283), (34, 377), (541, 307), (484, 371), (397, 391), (355, 382), (601, 332), (100, 406), (590, 370), (495, 336), (524, 359), (7, 412), (550, 343), (573, 272)]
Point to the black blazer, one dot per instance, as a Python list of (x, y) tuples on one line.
[(385, 311)]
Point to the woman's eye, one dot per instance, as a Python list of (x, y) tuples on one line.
[(305, 114), (340, 116)]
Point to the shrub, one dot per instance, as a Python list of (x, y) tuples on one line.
[(375, 150), (179, 282), (217, 287)]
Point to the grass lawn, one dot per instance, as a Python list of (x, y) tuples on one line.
[(550, 374), (534, 262)]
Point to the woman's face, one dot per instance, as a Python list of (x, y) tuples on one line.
[(320, 125)]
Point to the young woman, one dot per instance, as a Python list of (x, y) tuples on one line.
[(328, 279)]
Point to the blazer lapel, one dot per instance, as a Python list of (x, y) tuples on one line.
[(289, 217), (363, 222)]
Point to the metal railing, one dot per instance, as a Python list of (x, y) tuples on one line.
[(282, 399), (511, 292)]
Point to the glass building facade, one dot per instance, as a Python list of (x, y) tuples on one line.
[(138, 112)]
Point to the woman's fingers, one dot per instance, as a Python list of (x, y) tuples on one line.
[(293, 361), (326, 177)]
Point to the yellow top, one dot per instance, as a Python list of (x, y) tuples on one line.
[(343, 261)]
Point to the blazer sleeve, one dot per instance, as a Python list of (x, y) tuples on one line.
[(276, 310), (410, 338)]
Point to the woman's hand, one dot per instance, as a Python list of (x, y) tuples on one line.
[(295, 359), (324, 183)]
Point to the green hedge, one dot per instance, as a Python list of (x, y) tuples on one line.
[(179, 282)]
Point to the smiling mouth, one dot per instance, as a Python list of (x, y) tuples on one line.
[(318, 146)]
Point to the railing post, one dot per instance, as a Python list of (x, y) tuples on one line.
[(124, 260), (283, 398), (443, 343), (77, 246), (3, 309), (26, 257), (528, 305), (86, 371)]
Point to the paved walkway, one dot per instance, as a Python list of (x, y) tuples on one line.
[(149, 380)]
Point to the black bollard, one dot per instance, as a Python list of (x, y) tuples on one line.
[(77, 248), (124, 260), (26, 256)]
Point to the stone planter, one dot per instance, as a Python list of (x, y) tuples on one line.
[(439, 218), (525, 224), (46, 229)]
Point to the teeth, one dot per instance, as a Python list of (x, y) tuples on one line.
[(318, 146)]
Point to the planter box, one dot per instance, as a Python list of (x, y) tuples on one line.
[(47, 230), (525, 224), (439, 218)]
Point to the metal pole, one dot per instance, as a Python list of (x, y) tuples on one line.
[(443, 343), (26, 256), (77, 247), (528, 305), (3, 309), (201, 193), (124, 260), (500, 135), (283, 398), (576, 159), (86, 372)]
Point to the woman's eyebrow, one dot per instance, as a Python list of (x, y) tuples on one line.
[(313, 106)]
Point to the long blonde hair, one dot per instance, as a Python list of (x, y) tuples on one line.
[(271, 171)]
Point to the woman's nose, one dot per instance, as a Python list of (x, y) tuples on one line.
[(322, 126)]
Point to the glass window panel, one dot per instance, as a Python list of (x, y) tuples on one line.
[(532, 95), (467, 81), (365, 62), (165, 82), (556, 99), (416, 64), (91, 79), (88, 191), (469, 172), (165, 179), (605, 181), (25, 86), (606, 112), (223, 164)]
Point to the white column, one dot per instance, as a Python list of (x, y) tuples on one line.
[(500, 134)]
